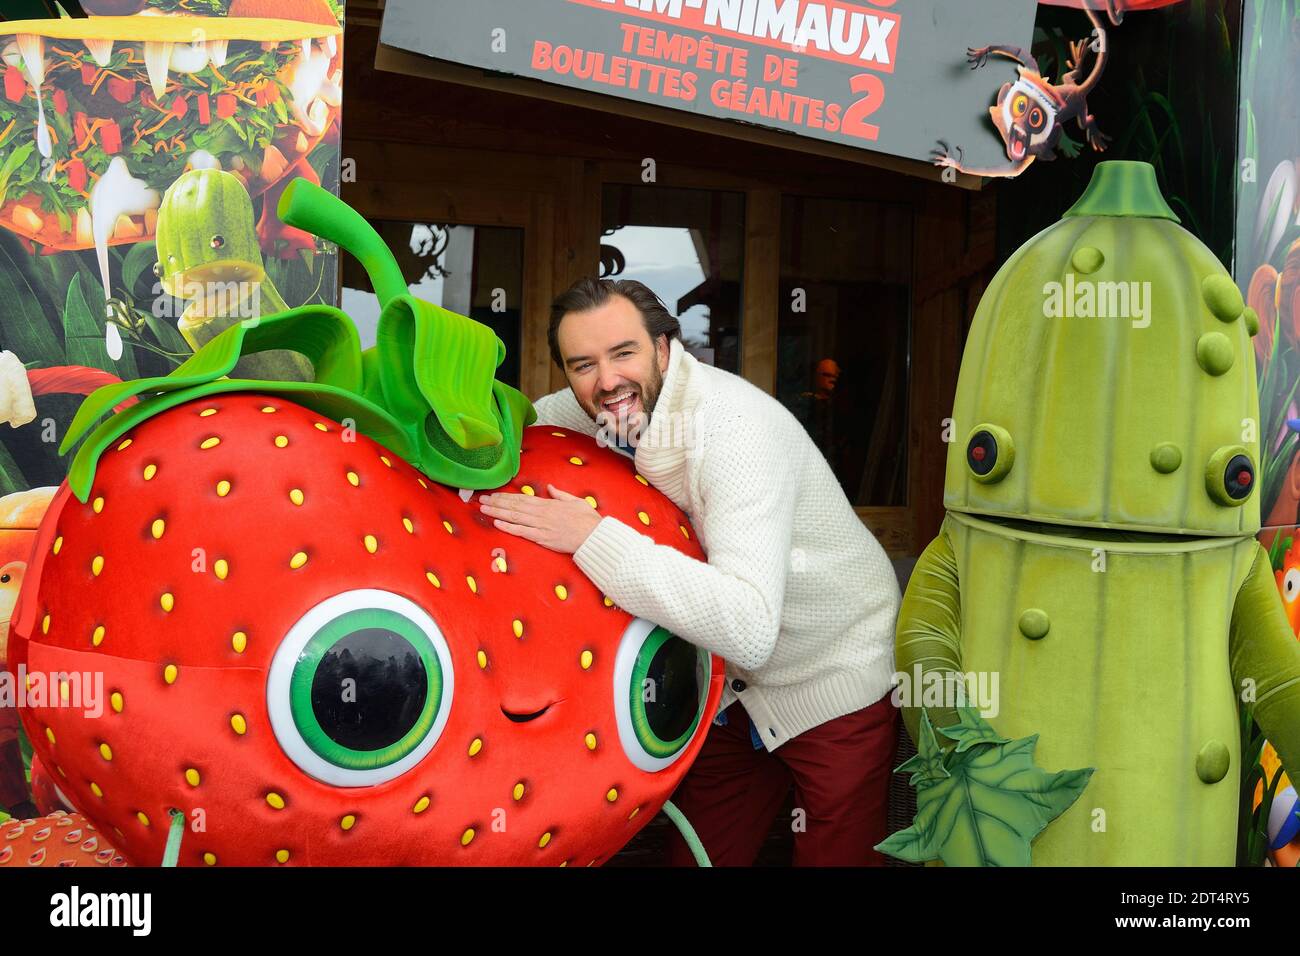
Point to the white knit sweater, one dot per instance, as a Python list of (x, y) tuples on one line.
[(797, 596)]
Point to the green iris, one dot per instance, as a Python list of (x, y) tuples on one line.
[(366, 689), (667, 693)]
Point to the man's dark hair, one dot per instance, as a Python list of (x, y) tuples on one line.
[(591, 293)]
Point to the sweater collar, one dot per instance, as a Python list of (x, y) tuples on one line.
[(662, 450)]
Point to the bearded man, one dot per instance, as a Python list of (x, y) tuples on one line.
[(796, 595)]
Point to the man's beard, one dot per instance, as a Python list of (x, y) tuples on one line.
[(630, 427)]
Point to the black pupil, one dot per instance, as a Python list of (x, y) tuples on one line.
[(982, 453), (673, 681), (369, 689), (218, 242), (1239, 477)]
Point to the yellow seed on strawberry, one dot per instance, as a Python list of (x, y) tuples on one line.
[(575, 460), (207, 412), (685, 534), (212, 442), (447, 526), (585, 660), (475, 746), (611, 795), (268, 409), (354, 479), (634, 812), (467, 836), (97, 505), (221, 568), (150, 471), (591, 501), (49, 734), (97, 564), (275, 801), (423, 484), (223, 488), (643, 481), (192, 777), (348, 822), (528, 490), (408, 525), (124, 445), (561, 592), (645, 518), (210, 859), (321, 426), (518, 627), (281, 441), (518, 792), (385, 460), (372, 544), (500, 564), (97, 635), (157, 528), (106, 751), (170, 673), (559, 434), (298, 560), (239, 641), (421, 805), (433, 579), (482, 659), (296, 496), (473, 585), (239, 724), (167, 601), (58, 544), (94, 788), (115, 701), (45, 624), (590, 741), (607, 601), (142, 817), (65, 692), (546, 838), (281, 856)]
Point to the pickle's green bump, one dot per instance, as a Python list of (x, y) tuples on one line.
[(1214, 353), (1252, 321), (1212, 762), (1034, 624), (1223, 297), (1166, 458), (1087, 259)]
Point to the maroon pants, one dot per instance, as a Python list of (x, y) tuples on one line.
[(840, 773)]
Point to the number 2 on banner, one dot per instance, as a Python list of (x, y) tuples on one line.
[(873, 95)]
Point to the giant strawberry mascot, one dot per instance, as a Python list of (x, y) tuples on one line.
[(314, 648)]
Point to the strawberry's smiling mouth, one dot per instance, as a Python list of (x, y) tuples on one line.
[(522, 718)]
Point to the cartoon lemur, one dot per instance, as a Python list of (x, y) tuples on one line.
[(1031, 112)]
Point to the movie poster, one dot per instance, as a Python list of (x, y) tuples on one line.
[(143, 149)]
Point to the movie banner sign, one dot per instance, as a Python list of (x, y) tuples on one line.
[(890, 76)]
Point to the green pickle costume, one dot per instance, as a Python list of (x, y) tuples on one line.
[(1098, 557)]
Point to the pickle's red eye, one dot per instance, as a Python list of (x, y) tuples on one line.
[(982, 452), (1238, 477)]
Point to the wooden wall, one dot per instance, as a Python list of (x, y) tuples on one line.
[(442, 151)]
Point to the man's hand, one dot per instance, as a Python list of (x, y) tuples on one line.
[(561, 522)]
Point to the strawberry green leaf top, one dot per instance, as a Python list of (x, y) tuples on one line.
[(988, 804), (426, 391)]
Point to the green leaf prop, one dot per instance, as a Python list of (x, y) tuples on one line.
[(983, 803)]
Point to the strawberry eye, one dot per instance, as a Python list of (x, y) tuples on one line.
[(661, 685), (360, 688), (1291, 585)]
